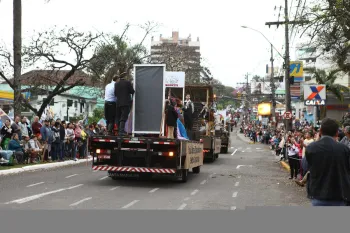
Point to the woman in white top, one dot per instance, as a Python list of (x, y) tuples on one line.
[(307, 141)]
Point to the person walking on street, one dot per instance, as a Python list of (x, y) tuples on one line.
[(329, 166), (110, 105), (124, 92)]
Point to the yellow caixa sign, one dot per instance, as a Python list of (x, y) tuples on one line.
[(194, 155)]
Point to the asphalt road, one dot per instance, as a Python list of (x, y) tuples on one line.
[(247, 176)]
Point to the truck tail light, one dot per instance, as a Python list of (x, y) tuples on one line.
[(101, 151), (201, 140), (171, 154)]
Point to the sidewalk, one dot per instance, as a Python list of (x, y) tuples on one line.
[(44, 166)]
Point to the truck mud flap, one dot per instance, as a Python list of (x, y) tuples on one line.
[(135, 169)]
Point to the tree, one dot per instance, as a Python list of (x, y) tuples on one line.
[(328, 79), (257, 78), (46, 48), (329, 30), (98, 113), (182, 58), (114, 56)]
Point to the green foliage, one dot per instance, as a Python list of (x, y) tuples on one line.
[(329, 30), (328, 79), (115, 56), (98, 113)]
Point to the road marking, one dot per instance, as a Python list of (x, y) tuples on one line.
[(238, 166), (114, 188), (203, 182), (130, 204), (81, 201), (234, 152), (105, 177), (234, 194), (35, 184), (182, 207), (153, 190), (71, 175), (233, 208), (194, 192), (186, 199), (232, 147), (236, 184), (249, 148), (37, 196)]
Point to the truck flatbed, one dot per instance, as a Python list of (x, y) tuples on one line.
[(135, 156)]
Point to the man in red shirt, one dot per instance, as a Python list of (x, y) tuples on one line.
[(36, 126)]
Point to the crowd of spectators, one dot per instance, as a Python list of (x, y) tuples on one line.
[(290, 146), (52, 140)]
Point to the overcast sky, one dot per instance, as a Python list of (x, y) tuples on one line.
[(229, 50)]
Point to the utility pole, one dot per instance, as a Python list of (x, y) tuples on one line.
[(273, 88), (247, 97), (287, 60), (17, 55)]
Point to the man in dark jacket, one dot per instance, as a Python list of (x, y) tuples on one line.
[(123, 91), (329, 166), (62, 137)]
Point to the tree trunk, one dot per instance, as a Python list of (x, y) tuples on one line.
[(17, 55)]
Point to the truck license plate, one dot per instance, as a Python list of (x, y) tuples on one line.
[(127, 175)]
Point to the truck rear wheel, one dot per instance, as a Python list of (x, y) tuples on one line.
[(224, 150), (196, 170), (184, 175), (213, 157)]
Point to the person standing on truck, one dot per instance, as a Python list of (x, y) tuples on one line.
[(123, 91), (110, 105), (171, 118), (188, 112)]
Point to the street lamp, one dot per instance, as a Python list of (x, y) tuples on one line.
[(272, 73), (246, 27)]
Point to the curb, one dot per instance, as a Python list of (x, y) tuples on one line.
[(285, 165), (42, 167)]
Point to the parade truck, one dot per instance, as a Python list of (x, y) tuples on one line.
[(145, 151), (204, 122)]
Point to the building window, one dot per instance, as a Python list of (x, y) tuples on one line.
[(76, 104)]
